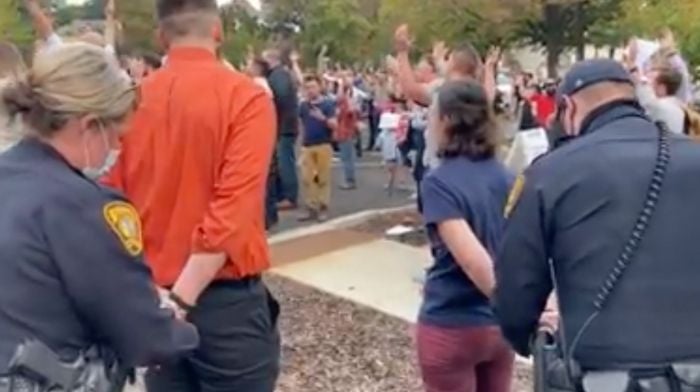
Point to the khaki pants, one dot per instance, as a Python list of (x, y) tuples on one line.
[(316, 169)]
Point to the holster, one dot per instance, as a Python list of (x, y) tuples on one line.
[(36, 368), (552, 373)]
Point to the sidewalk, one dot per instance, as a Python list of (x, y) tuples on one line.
[(368, 271)]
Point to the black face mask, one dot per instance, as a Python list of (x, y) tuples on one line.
[(557, 136), (556, 133)]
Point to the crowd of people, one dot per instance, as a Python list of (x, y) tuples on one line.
[(137, 191)]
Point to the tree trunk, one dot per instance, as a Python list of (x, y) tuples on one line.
[(611, 53), (553, 54), (579, 31), (552, 13)]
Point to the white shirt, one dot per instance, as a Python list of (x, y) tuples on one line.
[(666, 109), (430, 158)]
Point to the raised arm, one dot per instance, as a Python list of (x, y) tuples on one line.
[(405, 76), (110, 24), (42, 23)]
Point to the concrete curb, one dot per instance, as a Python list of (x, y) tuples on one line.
[(342, 222)]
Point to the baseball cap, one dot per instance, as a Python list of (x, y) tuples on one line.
[(589, 72)]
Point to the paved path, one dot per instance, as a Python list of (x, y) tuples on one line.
[(370, 194)]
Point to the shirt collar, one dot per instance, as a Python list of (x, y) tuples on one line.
[(610, 112), (190, 53)]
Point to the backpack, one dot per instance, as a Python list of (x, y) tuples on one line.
[(692, 123)]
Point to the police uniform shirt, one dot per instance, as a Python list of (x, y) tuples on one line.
[(72, 272), (577, 206)]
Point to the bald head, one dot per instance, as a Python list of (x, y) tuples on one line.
[(581, 104), (465, 62)]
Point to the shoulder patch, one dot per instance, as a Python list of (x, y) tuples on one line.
[(124, 220), (514, 195)]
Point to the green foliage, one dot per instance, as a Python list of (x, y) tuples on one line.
[(138, 23), (355, 31), (647, 18), (14, 27), (242, 31)]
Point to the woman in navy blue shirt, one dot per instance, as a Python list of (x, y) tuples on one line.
[(460, 346)]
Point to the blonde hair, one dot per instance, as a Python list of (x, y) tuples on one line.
[(11, 62), (71, 80)]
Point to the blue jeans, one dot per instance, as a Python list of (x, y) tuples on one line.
[(347, 156), (288, 188)]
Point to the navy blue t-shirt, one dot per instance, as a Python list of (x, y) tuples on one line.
[(316, 132), (475, 191)]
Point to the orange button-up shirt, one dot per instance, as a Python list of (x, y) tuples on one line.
[(194, 162)]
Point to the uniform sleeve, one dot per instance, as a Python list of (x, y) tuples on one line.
[(237, 207), (106, 277), (522, 274), (439, 202)]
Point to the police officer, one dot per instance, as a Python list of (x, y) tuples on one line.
[(613, 214), (72, 273)]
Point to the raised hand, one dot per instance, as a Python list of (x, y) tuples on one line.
[(110, 8), (402, 39), (493, 58), (440, 51)]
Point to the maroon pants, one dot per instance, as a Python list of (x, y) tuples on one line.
[(468, 359)]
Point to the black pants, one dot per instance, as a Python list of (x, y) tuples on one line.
[(373, 122), (239, 343)]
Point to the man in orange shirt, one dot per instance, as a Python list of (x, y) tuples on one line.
[(195, 165)]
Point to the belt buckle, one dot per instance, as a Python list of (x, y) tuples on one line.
[(606, 381)]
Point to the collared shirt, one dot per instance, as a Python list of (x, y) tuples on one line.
[(195, 164), (317, 132), (347, 119)]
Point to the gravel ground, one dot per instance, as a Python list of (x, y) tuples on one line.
[(333, 345), (380, 224)]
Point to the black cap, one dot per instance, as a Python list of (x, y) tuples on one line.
[(589, 72)]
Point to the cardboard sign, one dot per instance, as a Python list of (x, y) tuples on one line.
[(526, 147)]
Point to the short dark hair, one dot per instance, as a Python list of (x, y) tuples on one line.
[(670, 78), (470, 131), (312, 78), (169, 8), (263, 65), (152, 60), (180, 18)]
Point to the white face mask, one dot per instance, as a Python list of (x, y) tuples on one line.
[(95, 172)]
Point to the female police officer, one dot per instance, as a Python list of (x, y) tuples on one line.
[(72, 273)]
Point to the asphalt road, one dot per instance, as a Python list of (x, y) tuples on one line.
[(370, 194)]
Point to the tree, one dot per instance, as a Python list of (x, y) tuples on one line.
[(646, 18), (557, 25), (138, 23), (14, 27), (338, 25), (243, 30)]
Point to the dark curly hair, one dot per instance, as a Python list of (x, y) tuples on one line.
[(470, 129)]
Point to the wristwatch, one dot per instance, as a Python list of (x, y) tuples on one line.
[(187, 308)]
